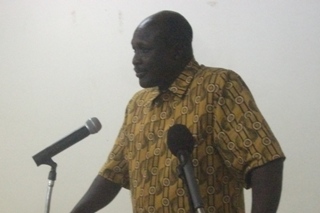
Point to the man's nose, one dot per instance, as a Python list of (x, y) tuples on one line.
[(136, 59)]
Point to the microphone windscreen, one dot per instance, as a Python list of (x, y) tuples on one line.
[(93, 125), (180, 139)]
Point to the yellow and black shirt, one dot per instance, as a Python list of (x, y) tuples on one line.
[(231, 137)]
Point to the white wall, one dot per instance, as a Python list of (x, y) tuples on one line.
[(63, 62)]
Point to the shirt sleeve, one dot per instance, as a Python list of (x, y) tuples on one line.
[(243, 137), (116, 167)]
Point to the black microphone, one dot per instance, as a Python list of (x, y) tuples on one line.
[(44, 157), (181, 143)]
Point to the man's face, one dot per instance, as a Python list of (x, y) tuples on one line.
[(153, 61)]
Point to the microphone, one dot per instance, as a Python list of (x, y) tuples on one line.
[(92, 126), (180, 139), (181, 143)]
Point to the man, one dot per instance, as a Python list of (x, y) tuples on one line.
[(234, 147)]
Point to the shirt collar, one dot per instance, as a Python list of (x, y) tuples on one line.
[(180, 86)]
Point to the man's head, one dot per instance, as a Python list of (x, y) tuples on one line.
[(162, 48)]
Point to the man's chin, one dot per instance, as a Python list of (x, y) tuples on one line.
[(146, 84)]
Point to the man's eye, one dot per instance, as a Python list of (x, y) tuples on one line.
[(145, 50)]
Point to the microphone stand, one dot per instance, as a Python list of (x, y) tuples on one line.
[(51, 178), (190, 181)]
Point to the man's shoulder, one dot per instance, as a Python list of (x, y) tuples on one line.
[(144, 94), (211, 70), (215, 72)]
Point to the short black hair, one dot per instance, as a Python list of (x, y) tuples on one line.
[(173, 27)]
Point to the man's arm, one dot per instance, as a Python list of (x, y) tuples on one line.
[(100, 193), (266, 182)]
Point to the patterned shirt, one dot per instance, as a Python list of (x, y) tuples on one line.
[(231, 138)]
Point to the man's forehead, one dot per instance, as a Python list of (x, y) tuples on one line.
[(152, 23), (148, 32), (150, 29), (147, 39)]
